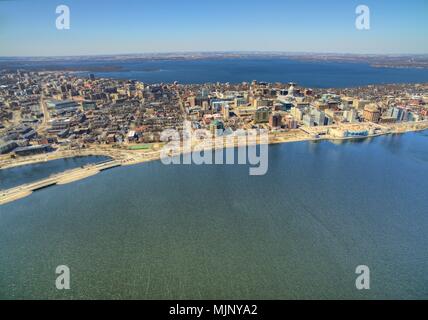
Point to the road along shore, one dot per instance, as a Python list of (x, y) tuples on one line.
[(122, 157)]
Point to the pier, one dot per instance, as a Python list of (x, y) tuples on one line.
[(65, 177)]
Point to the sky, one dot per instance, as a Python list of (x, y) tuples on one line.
[(27, 27)]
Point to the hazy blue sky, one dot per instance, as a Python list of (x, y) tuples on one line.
[(27, 27)]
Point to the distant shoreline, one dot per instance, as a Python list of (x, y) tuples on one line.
[(106, 63)]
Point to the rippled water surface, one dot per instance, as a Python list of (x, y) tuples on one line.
[(171, 232)]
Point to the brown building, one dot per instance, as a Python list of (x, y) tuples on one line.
[(192, 101), (387, 120), (371, 113), (261, 115), (275, 120), (291, 123)]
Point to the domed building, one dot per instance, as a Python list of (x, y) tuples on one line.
[(291, 89), (292, 92)]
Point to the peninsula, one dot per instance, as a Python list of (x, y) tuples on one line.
[(52, 115)]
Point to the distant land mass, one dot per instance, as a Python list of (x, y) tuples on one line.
[(54, 63), (307, 69)]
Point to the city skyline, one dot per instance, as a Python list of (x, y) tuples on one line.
[(190, 151), (112, 28)]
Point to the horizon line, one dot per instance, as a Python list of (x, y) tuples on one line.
[(186, 52)]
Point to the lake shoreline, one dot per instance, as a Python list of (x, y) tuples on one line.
[(320, 205), (128, 155), (132, 157)]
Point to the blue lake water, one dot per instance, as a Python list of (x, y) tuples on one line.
[(309, 74), (213, 231), (16, 176)]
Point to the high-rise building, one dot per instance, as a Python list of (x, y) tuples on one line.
[(350, 115), (260, 103), (226, 112), (262, 115), (296, 113), (275, 120), (318, 116), (308, 120), (205, 105), (371, 113), (218, 105), (291, 123), (192, 101), (396, 113), (216, 127), (204, 93), (240, 101)]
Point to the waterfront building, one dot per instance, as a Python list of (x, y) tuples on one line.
[(308, 120), (396, 113), (318, 116), (371, 113), (341, 133), (327, 120), (405, 115), (411, 116), (387, 119), (30, 150), (356, 133), (8, 147), (350, 115)]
